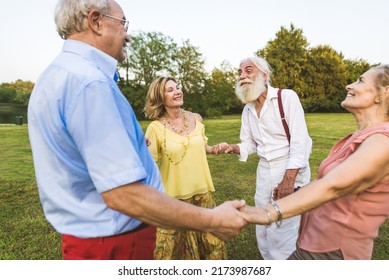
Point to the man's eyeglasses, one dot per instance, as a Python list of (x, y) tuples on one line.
[(123, 21)]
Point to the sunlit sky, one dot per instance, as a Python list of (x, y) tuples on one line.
[(221, 29)]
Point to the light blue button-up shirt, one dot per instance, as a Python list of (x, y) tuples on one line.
[(85, 140)]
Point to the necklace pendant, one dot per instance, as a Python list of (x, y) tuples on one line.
[(186, 142)]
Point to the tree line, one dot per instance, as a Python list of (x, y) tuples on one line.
[(318, 74)]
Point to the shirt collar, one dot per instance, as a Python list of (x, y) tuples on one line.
[(104, 62), (271, 92)]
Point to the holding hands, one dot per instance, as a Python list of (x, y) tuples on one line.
[(229, 220), (219, 148), (254, 215), (224, 148)]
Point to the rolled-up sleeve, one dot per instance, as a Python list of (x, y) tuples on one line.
[(247, 145)]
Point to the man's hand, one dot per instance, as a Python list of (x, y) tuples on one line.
[(219, 148), (232, 149), (286, 186), (229, 221)]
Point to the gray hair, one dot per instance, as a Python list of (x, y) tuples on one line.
[(261, 64), (382, 79), (70, 14)]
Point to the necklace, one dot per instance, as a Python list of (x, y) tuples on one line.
[(185, 128), (186, 145)]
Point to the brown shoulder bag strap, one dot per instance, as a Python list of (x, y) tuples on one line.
[(284, 124)]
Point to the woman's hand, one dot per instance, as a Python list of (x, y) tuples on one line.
[(254, 215)]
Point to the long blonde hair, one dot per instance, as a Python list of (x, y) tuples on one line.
[(154, 107)]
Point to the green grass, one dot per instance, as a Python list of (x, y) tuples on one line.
[(26, 235)]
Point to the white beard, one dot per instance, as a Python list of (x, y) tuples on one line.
[(251, 91)]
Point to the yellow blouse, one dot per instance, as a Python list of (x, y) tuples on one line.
[(191, 175)]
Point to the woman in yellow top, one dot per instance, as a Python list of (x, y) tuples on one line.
[(178, 144)]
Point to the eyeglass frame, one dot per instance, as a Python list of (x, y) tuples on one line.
[(123, 21)]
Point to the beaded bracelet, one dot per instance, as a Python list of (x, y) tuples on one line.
[(279, 214), (268, 216)]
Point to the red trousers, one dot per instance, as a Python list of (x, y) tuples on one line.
[(138, 244)]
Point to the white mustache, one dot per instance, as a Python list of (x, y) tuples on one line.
[(245, 81), (252, 91)]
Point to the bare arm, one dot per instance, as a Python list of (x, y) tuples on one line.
[(363, 169), (153, 207)]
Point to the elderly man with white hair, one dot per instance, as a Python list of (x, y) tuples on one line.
[(273, 126), (99, 185)]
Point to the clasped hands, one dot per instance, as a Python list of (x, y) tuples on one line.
[(234, 216), (244, 214), (222, 148)]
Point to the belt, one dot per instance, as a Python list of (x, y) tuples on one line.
[(138, 228)]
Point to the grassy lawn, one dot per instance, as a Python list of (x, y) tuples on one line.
[(26, 235)]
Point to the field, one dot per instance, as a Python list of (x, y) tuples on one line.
[(26, 235)]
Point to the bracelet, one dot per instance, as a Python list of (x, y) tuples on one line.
[(279, 214), (268, 216)]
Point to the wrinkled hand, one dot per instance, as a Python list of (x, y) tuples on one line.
[(283, 189), (230, 221), (219, 148), (286, 186), (229, 150)]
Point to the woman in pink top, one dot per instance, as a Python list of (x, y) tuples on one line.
[(349, 201)]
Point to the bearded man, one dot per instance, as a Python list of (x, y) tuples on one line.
[(284, 164)]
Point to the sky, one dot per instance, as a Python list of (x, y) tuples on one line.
[(222, 30)]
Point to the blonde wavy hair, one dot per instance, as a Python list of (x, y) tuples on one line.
[(154, 107)]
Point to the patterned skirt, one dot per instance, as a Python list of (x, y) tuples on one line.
[(173, 244)]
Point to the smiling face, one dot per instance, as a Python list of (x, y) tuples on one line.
[(173, 96), (250, 83), (363, 93)]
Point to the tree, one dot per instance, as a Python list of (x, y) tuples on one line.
[(17, 92), (356, 68), (7, 95), (220, 91), (325, 76), (192, 75), (150, 55), (287, 56)]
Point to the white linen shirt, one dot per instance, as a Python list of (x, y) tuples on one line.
[(266, 136)]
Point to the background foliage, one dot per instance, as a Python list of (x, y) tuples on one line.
[(318, 74)]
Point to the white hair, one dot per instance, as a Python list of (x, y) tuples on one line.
[(261, 64), (70, 14)]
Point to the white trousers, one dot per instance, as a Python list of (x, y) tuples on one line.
[(276, 243)]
